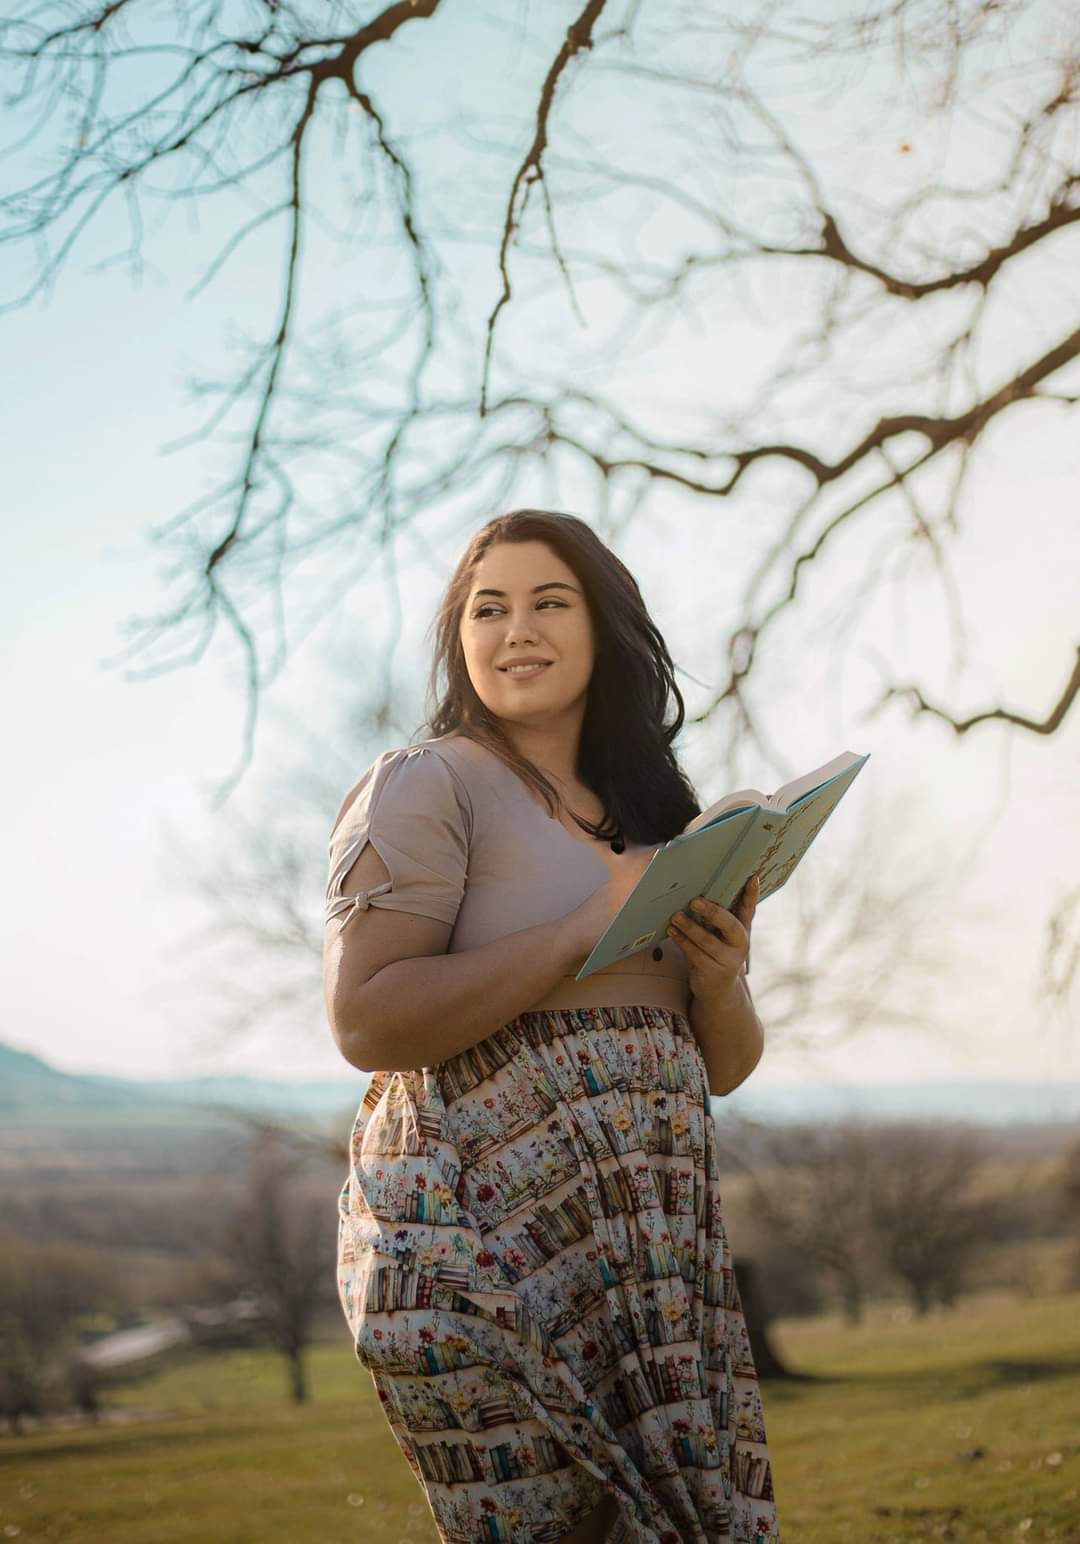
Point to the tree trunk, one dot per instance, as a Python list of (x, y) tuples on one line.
[(852, 1299), (297, 1378), (920, 1297), (757, 1318)]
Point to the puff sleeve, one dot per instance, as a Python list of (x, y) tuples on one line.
[(416, 813)]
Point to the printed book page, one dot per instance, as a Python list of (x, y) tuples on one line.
[(781, 800)]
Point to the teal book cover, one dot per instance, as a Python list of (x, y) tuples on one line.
[(746, 833)]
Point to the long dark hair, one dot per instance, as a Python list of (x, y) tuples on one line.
[(625, 754)]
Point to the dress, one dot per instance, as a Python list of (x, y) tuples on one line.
[(533, 1265)]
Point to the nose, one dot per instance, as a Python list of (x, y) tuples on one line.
[(520, 633)]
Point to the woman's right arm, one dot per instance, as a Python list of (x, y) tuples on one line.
[(396, 1000)]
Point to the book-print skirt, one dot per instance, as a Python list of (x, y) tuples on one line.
[(533, 1264)]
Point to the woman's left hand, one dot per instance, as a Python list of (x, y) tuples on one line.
[(716, 962)]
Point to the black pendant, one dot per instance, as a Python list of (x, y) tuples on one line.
[(618, 845)]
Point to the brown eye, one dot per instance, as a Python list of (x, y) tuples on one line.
[(478, 615)]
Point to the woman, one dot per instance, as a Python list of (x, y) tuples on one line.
[(532, 1258)]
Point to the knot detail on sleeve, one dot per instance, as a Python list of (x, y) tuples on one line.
[(345, 906), (411, 808)]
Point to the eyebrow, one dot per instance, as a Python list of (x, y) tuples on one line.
[(552, 584)]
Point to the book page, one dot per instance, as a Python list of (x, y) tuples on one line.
[(797, 789), (781, 800), (746, 798), (778, 841)]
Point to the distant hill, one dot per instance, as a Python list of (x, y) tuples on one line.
[(26, 1079), (983, 1102), (34, 1092), (83, 1128), (30, 1086), (88, 1131)]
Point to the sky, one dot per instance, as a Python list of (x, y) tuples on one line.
[(105, 775)]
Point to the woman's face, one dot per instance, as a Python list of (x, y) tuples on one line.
[(537, 611)]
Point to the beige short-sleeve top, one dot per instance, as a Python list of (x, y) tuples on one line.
[(465, 841)]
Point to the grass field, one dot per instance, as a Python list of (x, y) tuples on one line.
[(965, 1426)]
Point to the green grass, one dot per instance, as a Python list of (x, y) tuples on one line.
[(879, 1447), (871, 1448)]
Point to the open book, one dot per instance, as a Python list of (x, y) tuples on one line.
[(746, 833)]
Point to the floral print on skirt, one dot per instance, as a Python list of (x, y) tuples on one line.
[(533, 1264)]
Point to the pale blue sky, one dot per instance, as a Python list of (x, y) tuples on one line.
[(98, 971)]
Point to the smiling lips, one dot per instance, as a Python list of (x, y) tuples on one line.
[(525, 671)]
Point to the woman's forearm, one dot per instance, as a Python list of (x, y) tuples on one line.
[(730, 1034)]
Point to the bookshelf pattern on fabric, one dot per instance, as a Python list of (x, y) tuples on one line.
[(746, 833), (628, 1391), (551, 1198), (453, 1462)]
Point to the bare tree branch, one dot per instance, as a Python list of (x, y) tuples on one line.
[(1036, 726), (578, 39), (673, 185)]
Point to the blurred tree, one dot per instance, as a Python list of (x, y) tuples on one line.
[(931, 1226), (856, 1198), (1061, 953), (46, 1291), (1070, 1209), (810, 1187), (279, 1248)]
